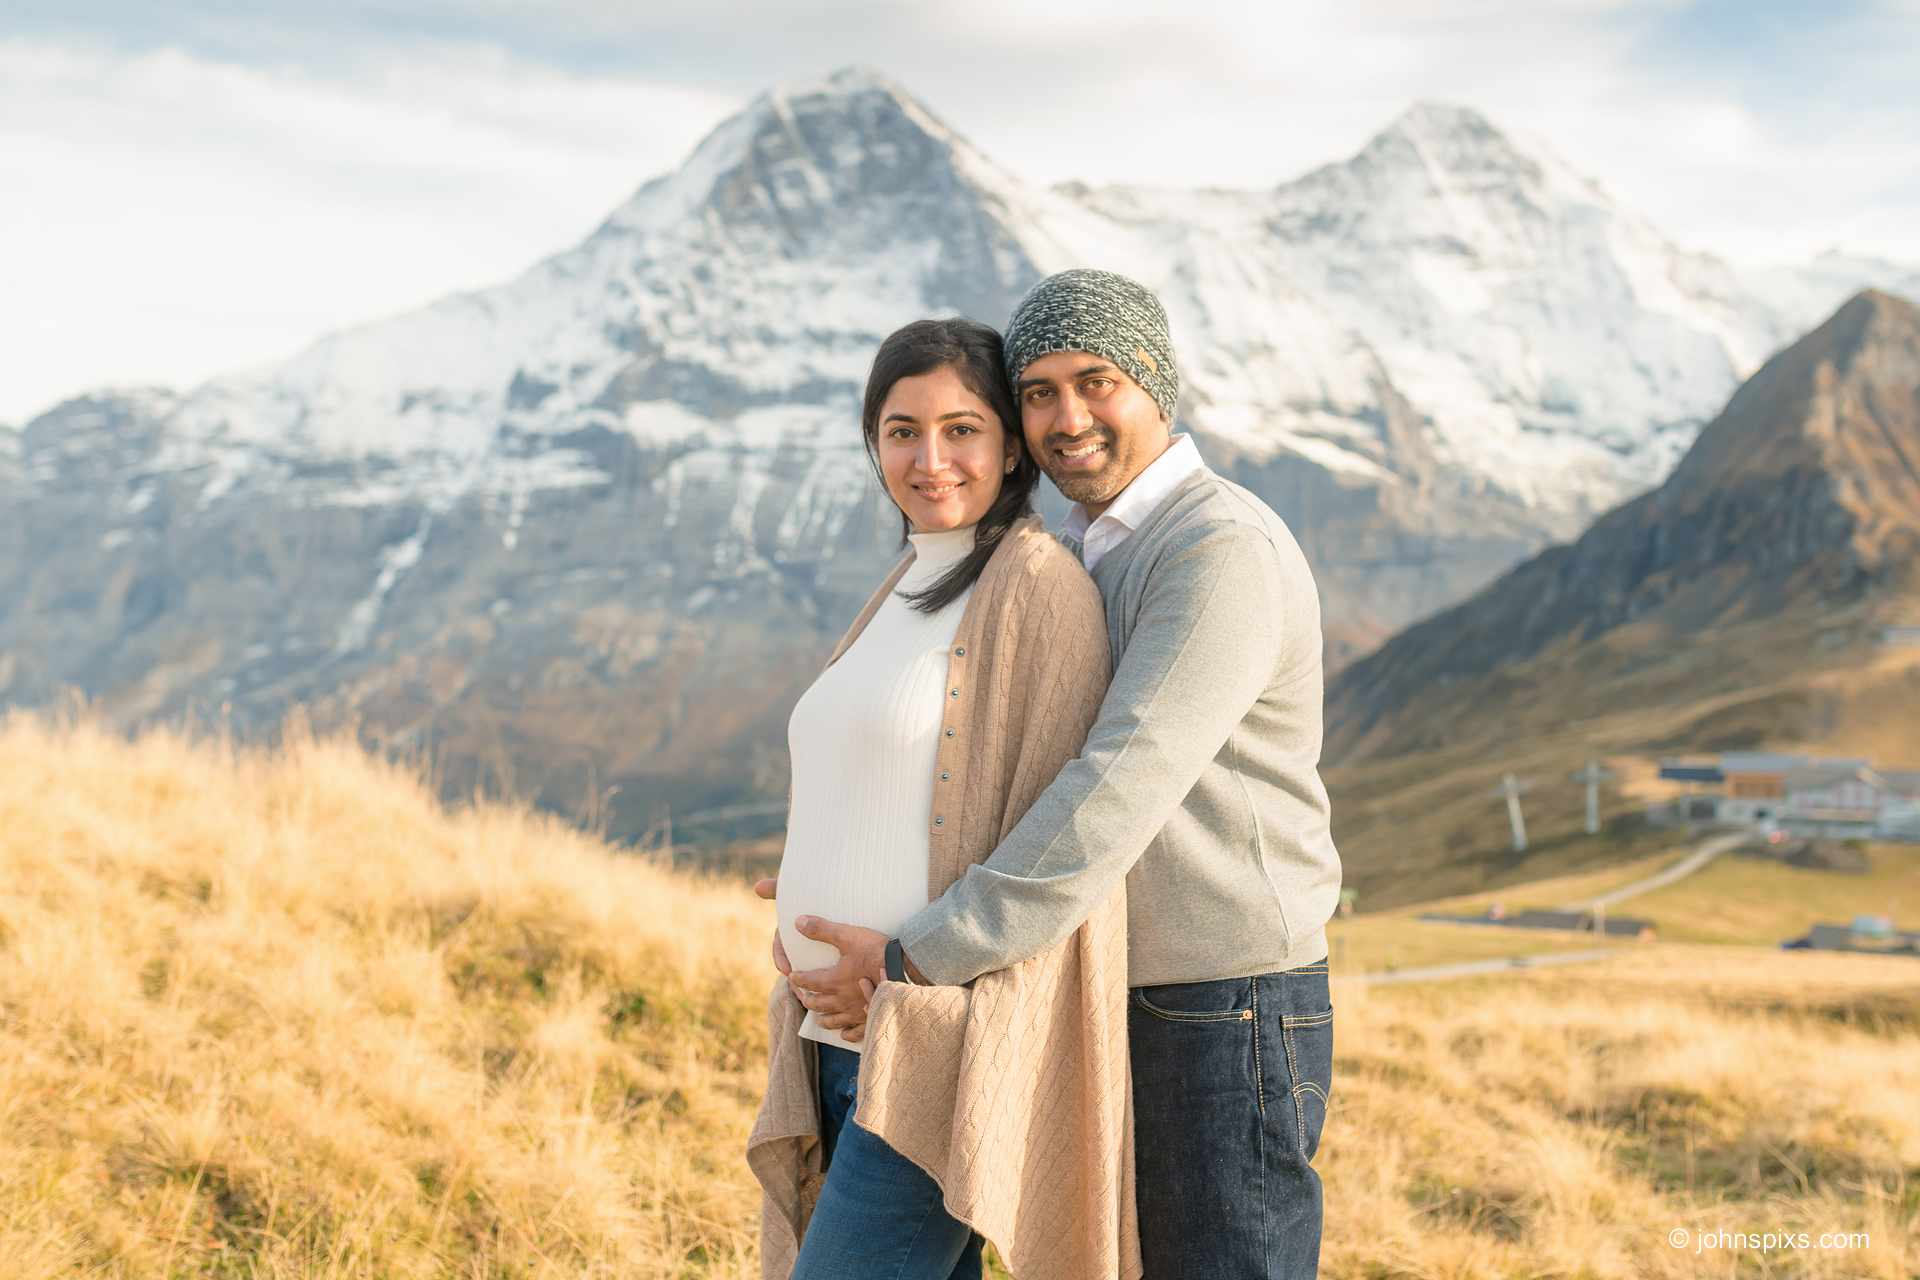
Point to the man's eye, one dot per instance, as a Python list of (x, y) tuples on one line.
[(1039, 392), (1098, 384)]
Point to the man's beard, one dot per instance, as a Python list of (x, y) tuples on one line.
[(1085, 488), (1091, 486)]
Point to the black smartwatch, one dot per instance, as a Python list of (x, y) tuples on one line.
[(896, 961)]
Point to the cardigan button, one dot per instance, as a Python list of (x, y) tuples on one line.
[(953, 693), (949, 733), (960, 652), (939, 822), (944, 775)]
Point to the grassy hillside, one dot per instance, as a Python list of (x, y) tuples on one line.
[(1733, 899), (1426, 823), (280, 1015), (283, 1015)]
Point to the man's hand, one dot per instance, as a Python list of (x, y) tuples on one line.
[(838, 995)]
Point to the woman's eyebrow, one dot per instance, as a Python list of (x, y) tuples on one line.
[(945, 417)]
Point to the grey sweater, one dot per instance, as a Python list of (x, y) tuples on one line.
[(1199, 782)]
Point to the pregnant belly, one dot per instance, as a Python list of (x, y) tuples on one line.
[(844, 889)]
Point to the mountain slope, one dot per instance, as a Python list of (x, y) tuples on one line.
[(1739, 605), (1802, 497), (588, 532)]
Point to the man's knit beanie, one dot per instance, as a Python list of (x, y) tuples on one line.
[(1102, 313)]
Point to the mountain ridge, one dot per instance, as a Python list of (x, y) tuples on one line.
[(1801, 497), (596, 525)]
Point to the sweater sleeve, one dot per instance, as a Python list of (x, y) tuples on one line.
[(1204, 648)]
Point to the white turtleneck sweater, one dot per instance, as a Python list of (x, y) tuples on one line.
[(864, 738)]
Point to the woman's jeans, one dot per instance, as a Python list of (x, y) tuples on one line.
[(879, 1216), (1230, 1084)]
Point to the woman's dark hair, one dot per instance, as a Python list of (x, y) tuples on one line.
[(974, 351)]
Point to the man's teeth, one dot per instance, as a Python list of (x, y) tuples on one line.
[(1081, 450)]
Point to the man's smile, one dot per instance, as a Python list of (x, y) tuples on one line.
[(1082, 455)]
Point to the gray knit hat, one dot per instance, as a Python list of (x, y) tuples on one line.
[(1102, 313)]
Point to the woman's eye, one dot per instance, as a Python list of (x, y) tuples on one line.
[(900, 433), (963, 429)]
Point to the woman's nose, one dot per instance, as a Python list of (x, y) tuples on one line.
[(933, 454)]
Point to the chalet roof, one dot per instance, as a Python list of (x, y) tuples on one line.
[(1689, 771), (1840, 937), (1624, 926), (1760, 762), (1816, 776)]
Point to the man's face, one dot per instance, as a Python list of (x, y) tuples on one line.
[(1092, 428)]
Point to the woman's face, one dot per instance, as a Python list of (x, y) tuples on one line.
[(943, 451)]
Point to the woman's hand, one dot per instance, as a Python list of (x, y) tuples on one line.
[(768, 889), (858, 1029)]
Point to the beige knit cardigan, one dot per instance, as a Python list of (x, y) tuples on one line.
[(1013, 1092)]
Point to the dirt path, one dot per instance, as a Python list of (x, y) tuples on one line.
[(1678, 871), (1471, 968)]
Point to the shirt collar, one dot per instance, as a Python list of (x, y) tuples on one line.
[(1148, 490)]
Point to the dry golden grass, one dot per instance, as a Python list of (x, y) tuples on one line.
[(1385, 943), (284, 1016), (1563, 1122), (280, 1014)]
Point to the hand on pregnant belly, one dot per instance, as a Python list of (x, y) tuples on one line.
[(823, 887), (803, 952)]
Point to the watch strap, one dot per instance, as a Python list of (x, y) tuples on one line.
[(896, 961)]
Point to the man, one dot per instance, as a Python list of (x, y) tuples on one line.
[(1199, 783)]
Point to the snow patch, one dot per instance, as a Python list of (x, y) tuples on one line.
[(394, 561)]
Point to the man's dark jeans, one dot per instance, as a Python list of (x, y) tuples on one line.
[(1230, 1085)]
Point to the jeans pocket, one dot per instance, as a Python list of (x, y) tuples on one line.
[(1308, 1038), (1230, 1000)]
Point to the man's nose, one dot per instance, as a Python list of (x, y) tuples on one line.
[(1074, 416)]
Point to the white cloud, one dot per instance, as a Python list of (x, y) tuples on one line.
[(183, 214), (180, 217)]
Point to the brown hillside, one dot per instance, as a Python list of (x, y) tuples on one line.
[(1799, 505), (1740, 605)]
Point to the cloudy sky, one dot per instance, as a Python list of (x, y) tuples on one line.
[(199, 185)]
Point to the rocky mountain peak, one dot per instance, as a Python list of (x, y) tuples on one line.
[(1800, 500), (1447, 131), (1841, 404), (1444, 175), (805, 147)]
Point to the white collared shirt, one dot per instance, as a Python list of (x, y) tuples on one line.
[(1134, 503)]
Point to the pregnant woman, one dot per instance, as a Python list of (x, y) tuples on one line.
[(999, 1110)]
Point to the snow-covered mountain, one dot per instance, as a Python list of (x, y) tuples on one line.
[(599, 522)]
